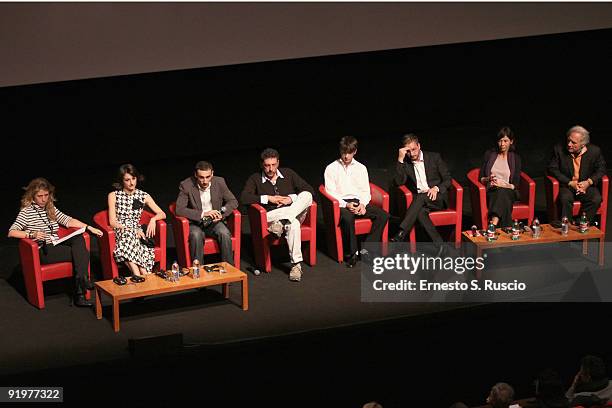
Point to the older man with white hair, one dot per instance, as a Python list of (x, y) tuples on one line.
[(579, 166)]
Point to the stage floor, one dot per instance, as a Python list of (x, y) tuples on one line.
[(59, 335)]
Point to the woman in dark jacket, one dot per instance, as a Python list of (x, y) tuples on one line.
[(501, 174)]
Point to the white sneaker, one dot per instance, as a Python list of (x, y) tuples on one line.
[(295, 275), (277, 228)]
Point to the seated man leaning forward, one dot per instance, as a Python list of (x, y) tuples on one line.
[(206, 201), (286, 197), (347, 181), (425, 174)]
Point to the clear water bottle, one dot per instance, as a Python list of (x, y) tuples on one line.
[(195, 274), (564, 226), (516, 230), (583, 227), (536, 228), (491, 232), (175, 272)]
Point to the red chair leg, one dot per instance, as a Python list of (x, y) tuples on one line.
[(339, 246), (457, 236), (35, 291), (412, 240), (311, 254), (263, 260), (237, 258)]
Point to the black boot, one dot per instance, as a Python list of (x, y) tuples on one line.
[(85, 284), (80, 301)]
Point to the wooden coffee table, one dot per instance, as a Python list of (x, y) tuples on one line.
[(155, 285), (549, 235)]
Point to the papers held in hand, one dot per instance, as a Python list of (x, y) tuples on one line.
[(75, 233)]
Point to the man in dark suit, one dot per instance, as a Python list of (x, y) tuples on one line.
[(206, 201), (426, 175), (287, 198), (578, 166)]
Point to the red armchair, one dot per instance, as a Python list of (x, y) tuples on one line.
[(262, 239), (107, 242), (180, 227), (450, 216), (331, 216), (35, 274), (521, 210), (552, 195)]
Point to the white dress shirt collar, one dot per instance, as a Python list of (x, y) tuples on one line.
[(264, 178), (420, 159)]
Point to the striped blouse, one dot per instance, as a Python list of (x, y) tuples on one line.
[(34, 218)]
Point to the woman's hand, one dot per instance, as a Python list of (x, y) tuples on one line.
[(139, 233), (501, 184), (94, 231), (40, 236), (151, 228)]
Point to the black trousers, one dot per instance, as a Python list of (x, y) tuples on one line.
[(72, 250), (217, 230), (419, 211), (347, 225), (590, 202), (500, 201)]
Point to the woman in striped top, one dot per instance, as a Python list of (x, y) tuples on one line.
[(39, 220)]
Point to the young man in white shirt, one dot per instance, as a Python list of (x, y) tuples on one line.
[(347, 181)]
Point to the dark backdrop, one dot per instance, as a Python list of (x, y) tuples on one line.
[(455, 96)]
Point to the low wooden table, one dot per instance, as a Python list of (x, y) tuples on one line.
[(155, 285), (549, 235)]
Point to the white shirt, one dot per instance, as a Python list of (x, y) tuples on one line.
[(344, 182), (264, 198), (419, 172), (205, 198)]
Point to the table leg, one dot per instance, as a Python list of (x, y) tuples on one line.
[(585, 247), (601, 251), (226, 292), (115, 315), (245, 294), (98, 304)]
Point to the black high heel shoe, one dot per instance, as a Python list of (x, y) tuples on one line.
[(137, 278)]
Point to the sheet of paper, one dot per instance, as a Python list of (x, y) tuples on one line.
[(77, 232)]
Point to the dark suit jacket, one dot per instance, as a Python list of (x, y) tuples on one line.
[(592, 165), (291, 183), (189, 204), (435, 170), (514, 162)]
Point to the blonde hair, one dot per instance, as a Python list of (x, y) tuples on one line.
[(33, 188)]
